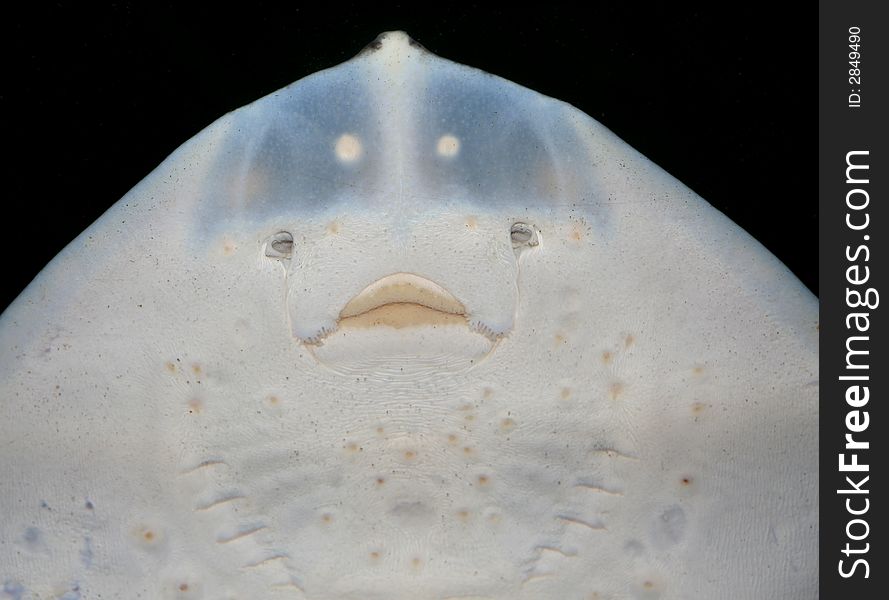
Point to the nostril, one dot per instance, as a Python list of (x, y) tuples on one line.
[(283, 246), (523, 234), (279, 245)]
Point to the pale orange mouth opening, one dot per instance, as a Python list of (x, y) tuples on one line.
[(403, 300)]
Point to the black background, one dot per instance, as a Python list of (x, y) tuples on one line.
[(94, 98)]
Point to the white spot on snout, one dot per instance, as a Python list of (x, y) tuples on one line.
[(448, 146), (348, 148)]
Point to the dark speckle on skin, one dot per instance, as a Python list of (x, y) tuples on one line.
[(72, 594)]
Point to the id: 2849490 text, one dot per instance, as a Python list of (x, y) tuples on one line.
[(855, 67)]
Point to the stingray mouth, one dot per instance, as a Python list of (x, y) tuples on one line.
[(403, 324), (402, 300)]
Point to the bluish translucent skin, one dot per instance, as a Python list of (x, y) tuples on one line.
[(517, 149)]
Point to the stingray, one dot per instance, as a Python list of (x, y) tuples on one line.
[(404, 329)]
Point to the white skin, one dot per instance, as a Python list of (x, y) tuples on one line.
[(620, 403)]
